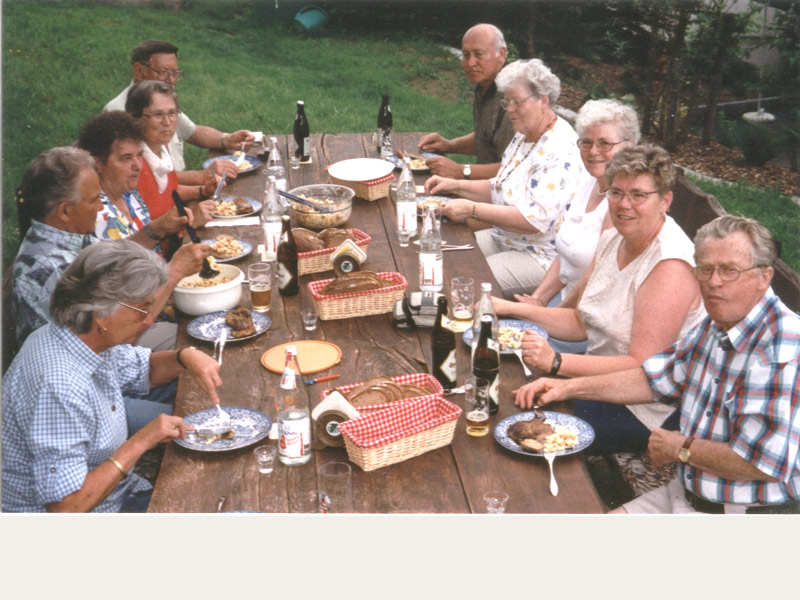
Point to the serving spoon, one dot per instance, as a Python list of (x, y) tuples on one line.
[(319, 207), (206, 272)]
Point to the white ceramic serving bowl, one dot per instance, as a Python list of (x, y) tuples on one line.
[(201, 300)]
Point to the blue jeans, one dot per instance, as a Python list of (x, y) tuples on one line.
[(137, 502), (140, 410), (616, 429)]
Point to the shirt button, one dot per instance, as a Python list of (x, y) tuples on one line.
[(716, 379), (708, 413), (113, 407), (52, 469), (688, 476)]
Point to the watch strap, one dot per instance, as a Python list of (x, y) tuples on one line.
[(556, 364)]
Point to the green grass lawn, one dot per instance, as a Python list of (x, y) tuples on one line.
[(246, 64)]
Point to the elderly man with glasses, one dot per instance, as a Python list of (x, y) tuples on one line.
[(157, 59), (735, 380)]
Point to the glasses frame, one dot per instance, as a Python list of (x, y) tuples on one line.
[(170, 116), (178, 75), (718, 270), (506, 104), (137, 309), (629, 195), (602, 145)]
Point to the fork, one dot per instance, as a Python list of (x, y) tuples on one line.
[(220, 343), (518, 352)]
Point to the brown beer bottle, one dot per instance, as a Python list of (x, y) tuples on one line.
[(288, 279), (443, 348), (486, 362)]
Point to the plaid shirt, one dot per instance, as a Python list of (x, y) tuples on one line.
[(44, 255), (63, 415), (742, 388)]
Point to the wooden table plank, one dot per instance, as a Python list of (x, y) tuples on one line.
[(452, 479)]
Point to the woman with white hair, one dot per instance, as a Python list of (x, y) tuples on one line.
[(65, 445), (523, 205)]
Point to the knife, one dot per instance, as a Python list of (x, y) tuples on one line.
[(219, 186)]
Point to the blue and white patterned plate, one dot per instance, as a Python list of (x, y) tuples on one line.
[(207, 327), (254, 203), (398, 162), (249, 427), (247, 248), (584, 430), (514, 324), (251, 160)]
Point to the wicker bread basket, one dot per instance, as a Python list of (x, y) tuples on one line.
[(367, 190), (404, 429), (358, 304), (421, 379), (318, 261)]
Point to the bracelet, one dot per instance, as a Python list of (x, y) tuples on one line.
[(556, 364), (116, 464), (222, 141), (475, 211), (152, 235), (178, 355)]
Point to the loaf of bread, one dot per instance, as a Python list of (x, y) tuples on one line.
[(357, 281)]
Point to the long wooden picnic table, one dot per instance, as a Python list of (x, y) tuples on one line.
[(451, 479)]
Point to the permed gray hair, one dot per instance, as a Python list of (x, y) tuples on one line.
[(101, 276), (600, 112), (762, 243), (647, 159), (141, 94), (52, 177), (532, 73), (499, 38)]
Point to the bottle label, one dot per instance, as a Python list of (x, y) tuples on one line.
[(287, 379), (272, 236), (430, 269), (407, 216), (284, 276), (448, 366), (293, 437), (494, 390), (306, 146)]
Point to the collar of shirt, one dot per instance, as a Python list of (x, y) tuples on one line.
[(488, 94), (85, 355), (72, 241), (740, 334)]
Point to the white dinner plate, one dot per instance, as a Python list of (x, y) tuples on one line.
[(360, 169)]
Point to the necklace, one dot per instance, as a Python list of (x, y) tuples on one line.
[(505, 172)]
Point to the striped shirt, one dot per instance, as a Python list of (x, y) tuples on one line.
[(63, 415), (742, 388)]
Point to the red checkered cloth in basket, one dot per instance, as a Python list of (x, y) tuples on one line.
[(362, 239), (405, 418), (400, 283), (422, 379)]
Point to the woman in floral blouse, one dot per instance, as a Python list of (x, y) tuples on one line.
[(520, 210)]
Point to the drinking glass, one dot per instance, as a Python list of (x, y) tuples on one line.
[(265, 457), (476, 396), (309, 319), (260, 276), (335, 488), (495, 502), (462, 298)]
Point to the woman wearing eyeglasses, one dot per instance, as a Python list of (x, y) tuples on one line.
[(65, 444), (638, 297), (520, 209), (155, 105)]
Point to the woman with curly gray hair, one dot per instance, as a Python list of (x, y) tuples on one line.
[(65, 445), (520, 210)]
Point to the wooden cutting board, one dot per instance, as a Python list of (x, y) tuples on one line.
[(313, 356)]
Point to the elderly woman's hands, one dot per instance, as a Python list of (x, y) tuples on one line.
[(209, 186), (160, 430), (171, 222), (188, 260), (457, 209), (437, 184), (536, 351), (203, 212), (222, 167), (204, 369), (541, 392)]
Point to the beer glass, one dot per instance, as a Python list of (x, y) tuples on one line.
[(260, 276), (335, 488), (462, 299), (476, 396)]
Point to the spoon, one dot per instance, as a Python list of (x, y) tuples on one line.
[(518, 352), (206, 272), (549, 457)]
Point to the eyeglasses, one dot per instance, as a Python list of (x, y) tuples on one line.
[(177, 75), (159, 116), (137, 309), (726, 272), (515, 103), (602, 145), (635, 196)]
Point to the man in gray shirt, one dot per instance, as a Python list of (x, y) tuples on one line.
[(483, 50)]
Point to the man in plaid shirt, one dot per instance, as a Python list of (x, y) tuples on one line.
[(735, 379)]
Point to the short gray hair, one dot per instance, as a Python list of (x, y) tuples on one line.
[(534, 74), (141, 94), (646, 159), (101, 276), (499, 39), (52, 177), (613, 112), (762, 243)]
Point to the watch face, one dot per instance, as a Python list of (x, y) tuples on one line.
[(683, 455)]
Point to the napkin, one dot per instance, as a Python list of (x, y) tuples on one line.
[(233, 222)]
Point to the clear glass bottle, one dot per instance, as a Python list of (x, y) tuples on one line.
[(384, 134), (294, 417), (406, 204), (431, 260), (271, 214), (275, 166)]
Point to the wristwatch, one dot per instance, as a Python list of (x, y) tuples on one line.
[(683, 454), (556, 364), (466, 171)]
